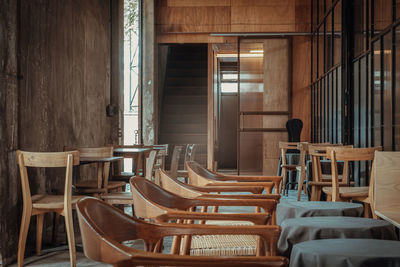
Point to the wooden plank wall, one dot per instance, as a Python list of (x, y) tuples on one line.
[(9, 180), (301, 79), (183, 21), (63, 58)]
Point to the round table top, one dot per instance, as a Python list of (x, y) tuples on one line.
[(294, 209), (346, 253), (302, 229), (335, 222)]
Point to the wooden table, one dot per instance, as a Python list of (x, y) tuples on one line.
[(297, 230), (103, 167), (134, 153), (340, 252)]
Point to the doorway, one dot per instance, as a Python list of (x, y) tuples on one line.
[(228, 107), (255, 106)]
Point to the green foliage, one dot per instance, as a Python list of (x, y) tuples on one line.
[(131, 15)]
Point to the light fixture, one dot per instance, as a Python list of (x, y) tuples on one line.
[(257, 51)]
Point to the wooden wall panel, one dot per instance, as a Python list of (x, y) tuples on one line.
[(271, 151), (275, 98), (9, 179), (198, 3), (249, 3), (276, 75), (66, 69), (193, 19), (301, 92), (303, 16), (280, 18), (213, 16), (166, 38)]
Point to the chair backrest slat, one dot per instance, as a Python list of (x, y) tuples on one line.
[(106, 151), (150, 165), (175, 160), (347, 154), (48, 159)]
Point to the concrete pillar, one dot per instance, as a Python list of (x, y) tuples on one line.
[(149, 75)]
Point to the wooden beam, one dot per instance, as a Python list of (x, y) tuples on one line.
[(193, 38), (210, 112), (117, 70)]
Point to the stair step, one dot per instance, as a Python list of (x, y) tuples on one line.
[(187, 63), (185, 118), (183, 128), (183, 138), (185, 72), (189, 81), (185, 100), (184, 109), (186, 90)]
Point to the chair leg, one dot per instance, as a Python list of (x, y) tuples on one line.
[(367, 210), (56, 223), (70, 235), (23, 233), (176, 245), (39, 232), (300, 186), (284, 180)]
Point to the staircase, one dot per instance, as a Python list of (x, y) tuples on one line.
[(183, 118)]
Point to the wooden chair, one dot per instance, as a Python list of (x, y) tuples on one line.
[(363, 193), (319, 180), (190, 153), (125, 198), (175, 160), (187, 190), (42, 204), (161, 155), (101, 185), (387, 190), (284, 147), (103, 242), (153, 202), (175, 186), (200, 176)]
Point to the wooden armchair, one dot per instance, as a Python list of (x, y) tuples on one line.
[(187, 190), (200, 176), (41, 204), (101, 184), (102, 241), (175, 186), (316, 152), (284, 147), (153, 202), (363, 193)]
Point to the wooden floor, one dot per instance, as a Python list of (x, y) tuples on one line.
[(60, 258)]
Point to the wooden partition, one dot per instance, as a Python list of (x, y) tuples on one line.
[(387, 186), (265, 85)]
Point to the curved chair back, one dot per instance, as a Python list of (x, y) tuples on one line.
[(150, 200), (172, 184), (198, 175), (349, 154), (102, 240)]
